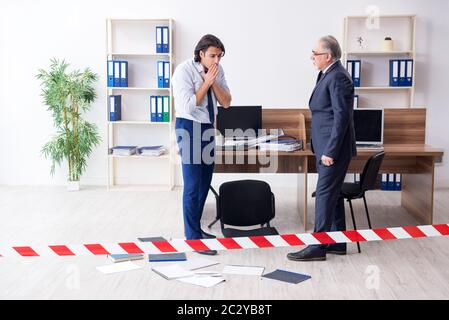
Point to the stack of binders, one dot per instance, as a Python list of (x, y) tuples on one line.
[(401, 73), (115, 107), (160, 108), (354, 68), (162, 40), (163, 74), (388, 181), (391, 182), (117, 73)]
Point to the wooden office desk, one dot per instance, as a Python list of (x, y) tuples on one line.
[(415, 161)]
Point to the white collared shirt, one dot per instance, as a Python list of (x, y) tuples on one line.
[(186, 81), (325, 70)]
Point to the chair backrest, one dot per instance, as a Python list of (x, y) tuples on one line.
[(370, 172), (245, 203)]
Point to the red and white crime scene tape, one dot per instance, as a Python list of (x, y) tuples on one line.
[(285, 240)]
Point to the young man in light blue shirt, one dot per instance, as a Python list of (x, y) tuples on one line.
[(198, 84)]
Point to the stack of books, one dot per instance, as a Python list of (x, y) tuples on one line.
[(124, 150), (151, 151), (281, 145)]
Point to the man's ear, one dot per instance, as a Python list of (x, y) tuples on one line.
[(201, 54)]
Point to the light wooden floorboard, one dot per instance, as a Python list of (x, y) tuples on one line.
[(408, 269)]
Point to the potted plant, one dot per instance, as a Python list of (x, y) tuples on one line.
[(68, 95)]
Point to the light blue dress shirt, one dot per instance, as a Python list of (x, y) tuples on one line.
[(186, 81)]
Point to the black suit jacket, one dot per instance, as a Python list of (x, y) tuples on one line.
[(332, 104)]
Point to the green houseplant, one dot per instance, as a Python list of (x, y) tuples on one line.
[(68, 95)]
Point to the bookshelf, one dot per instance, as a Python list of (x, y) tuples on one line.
[(375, 91), (134, 40)]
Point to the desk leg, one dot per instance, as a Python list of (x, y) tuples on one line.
[(417, 191), (301, 199)]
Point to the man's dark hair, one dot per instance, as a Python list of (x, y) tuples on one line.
[(207, 41)]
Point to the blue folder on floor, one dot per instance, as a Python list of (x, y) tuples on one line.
[(166, 257), (287, 276)]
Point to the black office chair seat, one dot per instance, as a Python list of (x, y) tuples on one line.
[(245, 203), (351, 190), (348, 190), (265, 231)]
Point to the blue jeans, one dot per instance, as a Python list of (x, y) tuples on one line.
[(197, 171)]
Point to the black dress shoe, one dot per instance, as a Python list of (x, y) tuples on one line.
[(337, 248), (208, 252), (206, 235), (311, 253)]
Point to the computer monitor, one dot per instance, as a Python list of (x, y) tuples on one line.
[(238, 119), (369, 126)]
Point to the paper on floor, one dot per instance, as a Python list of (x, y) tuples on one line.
[(244, 270), (173, 271), (118, 267), (198, 263), (203, 281)]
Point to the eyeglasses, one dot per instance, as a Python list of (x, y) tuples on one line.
[(221, 55), (319, 53)]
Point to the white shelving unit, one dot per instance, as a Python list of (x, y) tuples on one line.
[(375, 90), (134, 40)]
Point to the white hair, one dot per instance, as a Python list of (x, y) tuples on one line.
[(331, 44)]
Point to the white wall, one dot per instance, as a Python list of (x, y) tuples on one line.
[(267, 62)]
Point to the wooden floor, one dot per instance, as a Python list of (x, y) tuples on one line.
[(404, 269)]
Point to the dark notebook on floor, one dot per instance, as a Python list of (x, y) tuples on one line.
[(287, 276), (167, 257), (152, 239)]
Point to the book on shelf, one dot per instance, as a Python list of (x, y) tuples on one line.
[(151, 151), (124, 150)]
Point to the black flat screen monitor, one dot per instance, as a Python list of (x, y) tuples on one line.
[(369, 126), (239, 122)]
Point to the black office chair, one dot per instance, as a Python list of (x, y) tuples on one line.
[(245, 203), (356, 190)]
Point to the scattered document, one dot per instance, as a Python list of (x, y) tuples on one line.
[(118, 267), (243, 270), (205, 282), (197, 263), (208, 273), (287, 276), (172, 272), (125, 257)]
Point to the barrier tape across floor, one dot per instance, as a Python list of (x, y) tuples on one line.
[(221, 244)]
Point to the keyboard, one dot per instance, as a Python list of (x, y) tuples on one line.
[(370, 146)]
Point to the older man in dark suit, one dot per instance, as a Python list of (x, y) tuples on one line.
[(333, 142)]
